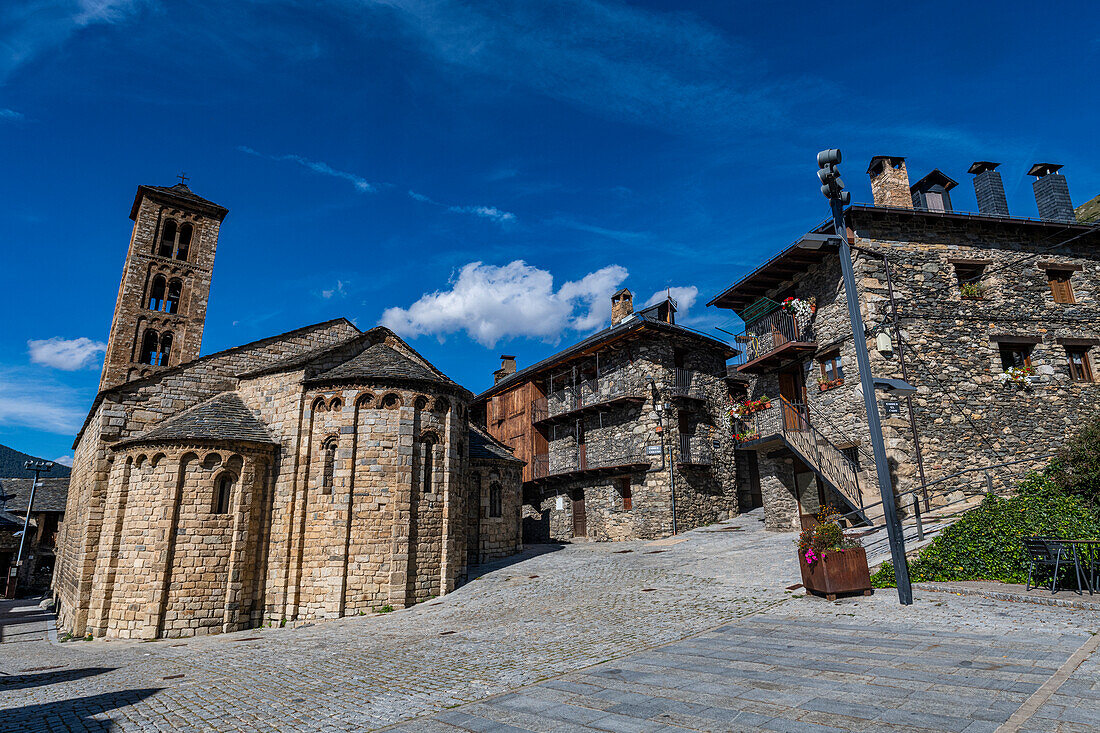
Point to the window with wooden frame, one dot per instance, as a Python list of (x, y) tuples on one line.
[(1015, 355), (1060, 286), (831, 367), (625, 493), (968, 274), (1080, 370), (496, 500)]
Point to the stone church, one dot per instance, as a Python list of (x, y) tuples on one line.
[(317, 473)]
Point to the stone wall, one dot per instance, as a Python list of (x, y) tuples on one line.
[(622, 433), (495, 536)]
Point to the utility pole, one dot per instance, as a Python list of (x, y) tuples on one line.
[(39, 467), (833, 189)]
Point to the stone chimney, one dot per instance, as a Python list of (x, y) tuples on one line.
[(622, 306), (890, 181), (1052, 193), (989, 189), (507, 368)]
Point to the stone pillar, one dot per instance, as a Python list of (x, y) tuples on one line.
[(403, 508), (235, 586), (777, 487), (167, 522), (103, 578)]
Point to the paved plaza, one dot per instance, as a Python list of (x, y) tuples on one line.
[(694, 633)]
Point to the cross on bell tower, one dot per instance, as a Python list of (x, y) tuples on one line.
[(161, 308), (183, 177)]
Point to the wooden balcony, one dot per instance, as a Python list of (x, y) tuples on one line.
[(774, 340), (580, 466)]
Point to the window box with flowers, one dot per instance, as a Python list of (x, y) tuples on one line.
[(748, 407), (826, 384), (1020, 377), (972, 291), (832, 563), (746, 436)]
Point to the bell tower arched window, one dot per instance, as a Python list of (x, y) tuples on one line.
[(165, 349), (156, 293), (172, 302), (167, 238), (184, 245), (148, 348)]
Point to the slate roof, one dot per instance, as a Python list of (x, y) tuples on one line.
[(383, 361), (483, 445), (223, 417), (637, 322), (51, 495), (180, 192)]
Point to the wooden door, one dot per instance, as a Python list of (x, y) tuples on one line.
[(580, 520), (792, 389)]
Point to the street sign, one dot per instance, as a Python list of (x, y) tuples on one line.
[(891, 407), (653, 450)]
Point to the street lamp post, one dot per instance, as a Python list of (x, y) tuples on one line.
[(39, 467), (833, 188)]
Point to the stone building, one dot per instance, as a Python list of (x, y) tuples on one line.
[(46, 515), (318, 473), (999, 322), (624, 434)]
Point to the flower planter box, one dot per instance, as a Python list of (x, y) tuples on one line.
[(838, 572), (826, 386)]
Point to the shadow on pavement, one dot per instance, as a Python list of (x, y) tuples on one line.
[(74, 714), (38, 679), (529, 551)]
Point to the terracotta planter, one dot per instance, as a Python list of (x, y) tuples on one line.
[(838, 572)]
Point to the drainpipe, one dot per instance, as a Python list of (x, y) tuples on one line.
[(660, 403)]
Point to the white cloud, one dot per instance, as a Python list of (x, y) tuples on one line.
[(490, 302), (661, 69), (684, 296), (337, 291), (26, 400), (66, 354), (64, 461), (486, 212), (33, 27), (10, 114), (362, 185)]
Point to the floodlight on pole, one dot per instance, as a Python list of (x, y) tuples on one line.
[(39, 467), (833, 189)]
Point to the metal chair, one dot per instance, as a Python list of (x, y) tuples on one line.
[(1050, 553)]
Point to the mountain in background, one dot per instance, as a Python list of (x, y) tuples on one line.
[(1089, 212), (11, 465)]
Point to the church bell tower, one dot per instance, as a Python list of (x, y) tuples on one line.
[(161, 306)]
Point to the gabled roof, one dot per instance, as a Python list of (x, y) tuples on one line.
[(156, 376), (50, 496), (222, 418), (484, 446), (936, 176), (380, 361), (632, 326), (179, 195)]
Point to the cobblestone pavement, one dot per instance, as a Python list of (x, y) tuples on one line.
[(697, 633)]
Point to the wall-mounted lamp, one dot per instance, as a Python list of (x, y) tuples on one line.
[(896, 387)]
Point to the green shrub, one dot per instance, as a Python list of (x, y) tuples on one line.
[(985, 543), (1076, 467)]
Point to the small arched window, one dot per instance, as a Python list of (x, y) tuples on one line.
[(167, 238), (184, 242), (328, 468), (165, 349), (172, 302), (156, 293), (223, 493), (428, 443), (496, 500), (148, 348)]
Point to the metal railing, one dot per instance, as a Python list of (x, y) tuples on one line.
[(583, 394), (700, 454), (585, 459), (766, 334), (791, 421), (685, 383)]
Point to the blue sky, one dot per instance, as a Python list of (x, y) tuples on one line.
[(481, 176)]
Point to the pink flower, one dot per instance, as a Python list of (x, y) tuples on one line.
[(811, 557)]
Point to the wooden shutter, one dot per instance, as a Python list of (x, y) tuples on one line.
[(1059, 286)]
